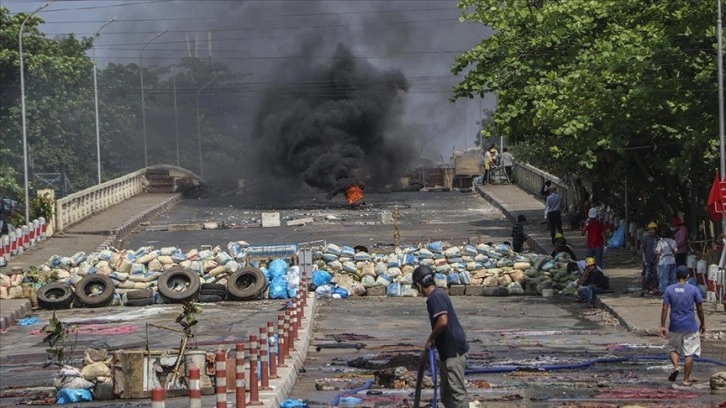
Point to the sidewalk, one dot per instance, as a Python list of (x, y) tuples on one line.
[(637, 314), (107, 228)]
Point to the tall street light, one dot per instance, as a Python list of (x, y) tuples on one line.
[(720, 105), (143, 100), (199, 129), (95, 92), (22, 108)]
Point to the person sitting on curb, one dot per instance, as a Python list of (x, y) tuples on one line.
[(561, 246), (593, 282)]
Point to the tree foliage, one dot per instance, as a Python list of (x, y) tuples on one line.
[(604, 88)]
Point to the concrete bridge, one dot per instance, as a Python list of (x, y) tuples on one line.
[(99, 216)]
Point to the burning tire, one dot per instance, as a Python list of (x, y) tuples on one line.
[(95, 290), (178, 284), (55, 296), (246, 284)]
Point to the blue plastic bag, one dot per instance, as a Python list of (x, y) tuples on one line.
[(67, 396), (453, 279), (277, 268), (278, 288), (618, 238), (291, 403), (342, 292), (321, 278)]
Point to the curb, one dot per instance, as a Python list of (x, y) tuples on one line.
[(121, 232), (530, 241), (17, 312), (283, 386), (629, 327)]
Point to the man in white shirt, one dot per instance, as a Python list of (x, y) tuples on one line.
[(507, 162)]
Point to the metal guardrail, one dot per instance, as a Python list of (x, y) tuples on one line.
[(531, 179), (81, 205)]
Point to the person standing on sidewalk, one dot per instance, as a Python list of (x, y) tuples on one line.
[(682, 332), (665, 250), (447, 335), (553, 212), (595, 241), (487, 164), (649, 276), (680, 235), (508, 163)]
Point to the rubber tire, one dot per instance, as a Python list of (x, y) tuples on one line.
[(140, 294), (139, 302), (100, 300), (61, 296), (210, 298), (214, 289), (239, 287), (178, 272)]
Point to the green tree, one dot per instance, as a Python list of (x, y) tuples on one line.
[(605, 88)]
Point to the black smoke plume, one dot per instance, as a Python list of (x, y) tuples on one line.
[(329, 122)]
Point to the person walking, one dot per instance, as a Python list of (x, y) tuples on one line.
[(508, 163), (595, 230), (447, 335), (593, 281), (682, 332), (553, 212), (649, 276), (680, 235), (665, 250)]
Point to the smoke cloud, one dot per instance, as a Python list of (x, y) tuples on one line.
[(332, 122)]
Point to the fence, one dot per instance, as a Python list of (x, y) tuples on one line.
[(78, 206), (531, 179)]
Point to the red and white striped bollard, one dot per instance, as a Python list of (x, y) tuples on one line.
[(281, 341), (240, 391), (220, 386), (264, 373), (195, 389), (254, 388), (273, 356), (158, 398)]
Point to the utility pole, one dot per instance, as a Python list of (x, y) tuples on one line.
[(95, 92), (176, 123)]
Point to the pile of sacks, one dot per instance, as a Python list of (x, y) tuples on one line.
[(93, 381), (484, 265), (10, 286), (140, 269)]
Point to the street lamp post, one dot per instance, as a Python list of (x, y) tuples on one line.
[(22, 108), (143, 100), (199, 129), (95, 92)]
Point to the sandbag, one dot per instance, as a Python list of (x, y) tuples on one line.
[(521, 265), (368, 281), (350, 267), (368, 270), (453, 252), (335, 266), (393, 289), (718, 381), (155, 265), (357, 290), (440, 280), (393, 272), (465, 278), (95, 370)]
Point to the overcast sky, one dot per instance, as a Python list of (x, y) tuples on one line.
[(420, 38)]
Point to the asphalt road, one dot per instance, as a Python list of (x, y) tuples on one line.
[(501, 331), (513, 331), (453, 216)]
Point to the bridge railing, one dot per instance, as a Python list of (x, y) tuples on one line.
[(80, 205), (531, 179)]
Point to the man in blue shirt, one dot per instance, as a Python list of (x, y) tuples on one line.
[(553, 212), (448, 336), (682, 333)]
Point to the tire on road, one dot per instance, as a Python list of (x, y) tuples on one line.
[(246, 284), (213, 289), (139, 294), (178, 275), (210, 298), (55, 296), (95, 290), (139, 302)]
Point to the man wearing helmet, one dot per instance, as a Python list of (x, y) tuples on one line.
[(447, 335), (593, 281)]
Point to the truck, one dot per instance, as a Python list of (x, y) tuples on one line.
[(467, 166)]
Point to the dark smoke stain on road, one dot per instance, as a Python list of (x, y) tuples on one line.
[(330, 123)]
